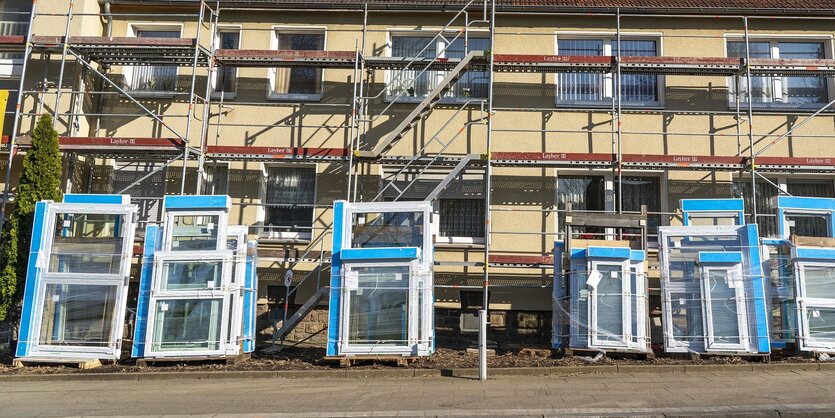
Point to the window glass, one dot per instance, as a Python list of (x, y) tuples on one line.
[(387, 229), (638, 87), (290, 198), (819, 281), (415, 82), (638, 191), (155, 77), (194, 232), (379, 307), (580, 86), (87, 243), (78, 315), (723, 307), (217, 179), (795, 90), (462, 217), (610, 291), (227, 79), (187, 325), (299, 80), (191, 275), (584, 194), (635, 88), (803, 89)]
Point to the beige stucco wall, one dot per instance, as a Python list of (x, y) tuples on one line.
[(695, 119)]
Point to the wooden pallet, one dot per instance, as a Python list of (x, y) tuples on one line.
[(572, 352), (79, 363), (762, 358), (229, 361), (402, 361)]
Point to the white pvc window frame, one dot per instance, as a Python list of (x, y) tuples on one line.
[(805, 304), (733, 273), (594, 305), (419, 316), (160, 295), (221, 226), (119, 280), (236, 286)]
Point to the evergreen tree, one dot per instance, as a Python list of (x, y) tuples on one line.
[(40, 180)]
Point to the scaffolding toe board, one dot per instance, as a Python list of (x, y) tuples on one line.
[(128, 50)]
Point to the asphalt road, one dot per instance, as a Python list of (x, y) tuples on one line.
[(760, 393)]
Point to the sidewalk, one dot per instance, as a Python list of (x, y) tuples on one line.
[(756, 393)]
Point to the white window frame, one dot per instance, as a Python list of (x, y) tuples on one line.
[(413, 345), (776, 101), (271, 72), (806, 304), (609, 38), (733, 273), (168, 238), (119, 280), (216, 70), (127, 70), (626, 305), (392, 33), (284, 236)]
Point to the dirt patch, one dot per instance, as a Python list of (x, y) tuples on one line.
[(311, 358)]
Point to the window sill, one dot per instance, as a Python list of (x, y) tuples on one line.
[(152, 94), (608, 105), (781, 107), (294, 97)]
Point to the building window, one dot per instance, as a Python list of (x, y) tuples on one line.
[(597, 89), (289, 200), (147, 194), (154, 78), (415, 82), (767, 213), (584, 193), (298, 83), (11, 63), (217, 179), (780, 91), (462, 218), (639, 191), (226, 78)]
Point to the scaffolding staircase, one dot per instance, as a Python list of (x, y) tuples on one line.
[(421, 110)]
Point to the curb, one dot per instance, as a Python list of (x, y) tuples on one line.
[(418, 373)]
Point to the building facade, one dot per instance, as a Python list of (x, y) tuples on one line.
[(518, 110)]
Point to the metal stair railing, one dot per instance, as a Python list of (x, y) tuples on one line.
[(422, 109), (420, 153)]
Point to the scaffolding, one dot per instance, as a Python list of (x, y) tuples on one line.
[(94, 53)]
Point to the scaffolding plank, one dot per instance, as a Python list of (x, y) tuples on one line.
[(285, 58), (552, 63), (128, 50), (785, 67), (690, 161), (520, 260), (561, 159), (152, 145), (272, 153), (680, 65)]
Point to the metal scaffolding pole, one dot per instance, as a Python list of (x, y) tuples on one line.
[(207, 102), (16, 123), (488, 172), (64, 47), (190, 112), (750, 123), (619, 130)]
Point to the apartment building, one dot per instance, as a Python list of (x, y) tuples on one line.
[(511, 112)]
